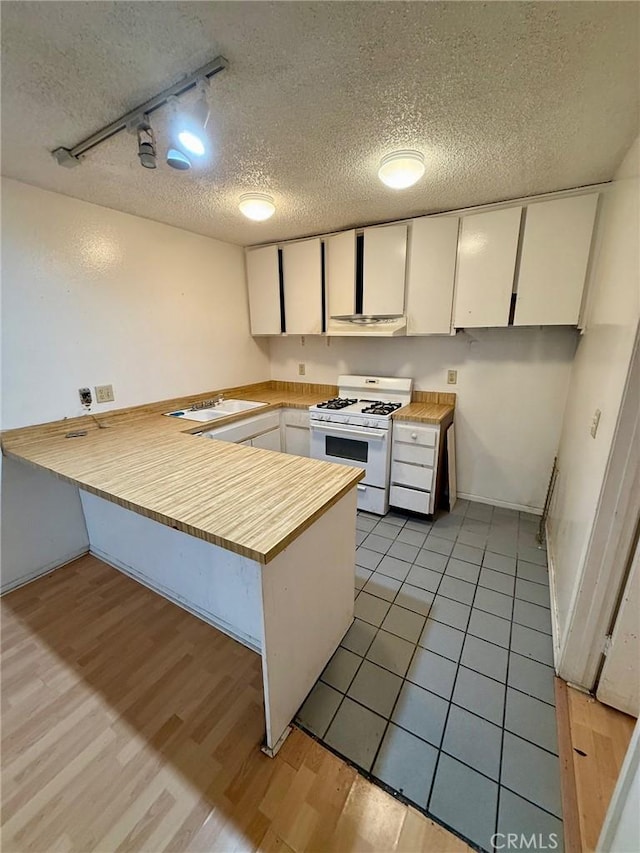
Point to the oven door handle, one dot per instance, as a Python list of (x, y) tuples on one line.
[(354, 433)]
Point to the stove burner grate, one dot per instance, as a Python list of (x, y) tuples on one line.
[(337, 403), (379, 408)]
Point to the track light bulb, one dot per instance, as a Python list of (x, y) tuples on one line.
[(177, 160), (190, 125)]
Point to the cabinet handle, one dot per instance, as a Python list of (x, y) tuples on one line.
[(414, 435)]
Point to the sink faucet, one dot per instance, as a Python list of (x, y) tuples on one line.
[(219, 399)]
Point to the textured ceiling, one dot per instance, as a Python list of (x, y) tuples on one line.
[(505, 100)]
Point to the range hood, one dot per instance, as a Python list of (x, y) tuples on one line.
[(382, 325)]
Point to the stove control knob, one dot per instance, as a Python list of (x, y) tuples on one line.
[(414, 435)]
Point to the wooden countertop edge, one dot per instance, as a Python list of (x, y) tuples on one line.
[(294, 395), (228, 544), (267, 388), (443, 419)]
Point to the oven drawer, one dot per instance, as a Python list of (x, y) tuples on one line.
[(415, 434), (371, 499), (413, 476), (410, 499), (417, 454)]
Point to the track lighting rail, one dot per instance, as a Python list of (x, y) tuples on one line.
[(71, 156)]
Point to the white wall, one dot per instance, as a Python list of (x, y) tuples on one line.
[(42, 523), (597, 381), (93, 296), (512, 386)]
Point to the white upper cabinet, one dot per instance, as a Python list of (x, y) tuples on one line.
[(554, 260), (385, 253), (340, 255), (302, 276), (431, 275), (263, 284), (487, 251)]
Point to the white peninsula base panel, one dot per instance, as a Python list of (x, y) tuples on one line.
[(293, 611)]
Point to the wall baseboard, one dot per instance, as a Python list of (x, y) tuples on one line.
[(247, 641), (534, 510), (45, 570), (555, 628)]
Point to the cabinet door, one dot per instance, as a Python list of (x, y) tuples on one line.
[(431, 274), (385, 254), (263, 283), (341, 273), (553, 264), (302, 273), (297, 440), (268, 440), (487, 251)]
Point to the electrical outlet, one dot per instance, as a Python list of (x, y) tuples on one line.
[(452, 377), (302, 369), (595, 422), (85, 396), (104, 394)]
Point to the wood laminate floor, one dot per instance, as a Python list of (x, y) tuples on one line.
[(600, 737), (130, 725)]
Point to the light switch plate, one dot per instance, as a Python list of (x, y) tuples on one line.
[(302, 368), (104, 394), (452, 377)]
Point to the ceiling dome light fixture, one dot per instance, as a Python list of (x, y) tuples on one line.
[(401, 169), (257, 206)]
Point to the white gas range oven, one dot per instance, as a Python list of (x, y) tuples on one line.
[(355, 429)]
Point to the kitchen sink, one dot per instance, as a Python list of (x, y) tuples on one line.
[(232, 406), (221, 410)]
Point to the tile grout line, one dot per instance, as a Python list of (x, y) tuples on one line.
[(516, 576), (404, 680), (439, 654), (321, 738), (504, 710), (450, 700), (456, 601)]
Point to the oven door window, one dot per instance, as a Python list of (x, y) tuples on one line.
[(356, 450)]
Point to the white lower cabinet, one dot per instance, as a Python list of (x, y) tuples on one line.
[(414, 467), (257, 431), (297, 440), (268, 440), (286, 430), (410, 499), (296, 432)]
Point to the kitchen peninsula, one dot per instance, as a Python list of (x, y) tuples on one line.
[(259, 544)]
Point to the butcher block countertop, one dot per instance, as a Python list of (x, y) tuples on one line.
[(440, 414), (248, 500)]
